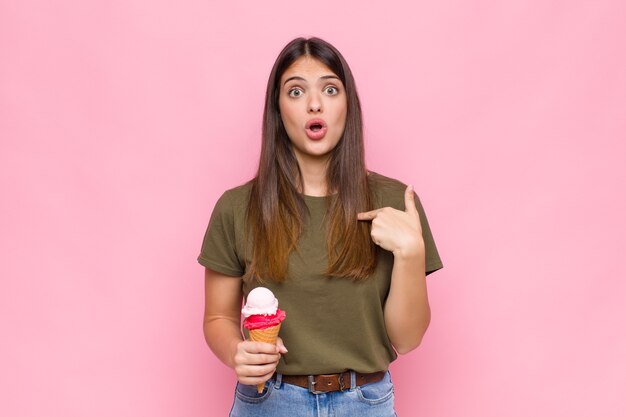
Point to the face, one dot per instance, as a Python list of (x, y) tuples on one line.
[(313, 108)]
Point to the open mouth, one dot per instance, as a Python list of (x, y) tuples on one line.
[(316, 129), (315, 125)]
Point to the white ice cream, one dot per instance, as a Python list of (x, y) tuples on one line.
[(260, 301)]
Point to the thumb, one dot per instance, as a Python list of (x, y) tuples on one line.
[(281, 347), (409, 201)]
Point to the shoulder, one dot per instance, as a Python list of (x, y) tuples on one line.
[(387, 191), (233, 203), (235, 197), (384, 183)]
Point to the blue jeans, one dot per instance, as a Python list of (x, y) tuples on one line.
[(279, 399)]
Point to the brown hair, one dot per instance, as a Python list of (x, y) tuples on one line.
[(276, 209)]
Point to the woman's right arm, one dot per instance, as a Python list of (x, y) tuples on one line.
[(253, 362)]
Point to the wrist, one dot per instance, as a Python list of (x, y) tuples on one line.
[(233, 348), (412, 253)]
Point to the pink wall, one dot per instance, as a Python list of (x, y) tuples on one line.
[(121, 122)]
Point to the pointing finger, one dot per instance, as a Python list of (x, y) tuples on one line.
[(409, 201), (368, 215)]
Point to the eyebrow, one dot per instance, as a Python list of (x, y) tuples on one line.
[(323, 77)]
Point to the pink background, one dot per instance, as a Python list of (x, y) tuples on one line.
[(122, 122)]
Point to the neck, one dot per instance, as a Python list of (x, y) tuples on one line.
[(314, 175)]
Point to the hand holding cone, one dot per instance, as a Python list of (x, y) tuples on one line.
[(268, 335)]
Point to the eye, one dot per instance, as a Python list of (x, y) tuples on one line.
[(295, 92), (331, 90)]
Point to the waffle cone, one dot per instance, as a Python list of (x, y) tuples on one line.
[(267, 335)]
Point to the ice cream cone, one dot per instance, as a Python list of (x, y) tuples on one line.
[(267, 335), (262, 318)]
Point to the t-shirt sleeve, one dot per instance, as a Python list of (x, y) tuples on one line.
[(219, 249), (433, 261)]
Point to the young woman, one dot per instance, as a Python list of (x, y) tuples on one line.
[(345, 251)]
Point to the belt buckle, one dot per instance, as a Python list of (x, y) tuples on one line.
[(341, 382), (312, 383)]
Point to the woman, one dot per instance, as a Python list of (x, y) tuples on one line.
[(344, 250)]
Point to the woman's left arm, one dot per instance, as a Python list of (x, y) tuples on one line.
[(407, 313)]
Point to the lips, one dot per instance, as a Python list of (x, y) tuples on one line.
[(316, 129)]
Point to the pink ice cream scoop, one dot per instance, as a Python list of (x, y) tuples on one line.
[(260, 321)]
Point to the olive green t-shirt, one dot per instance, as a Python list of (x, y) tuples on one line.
[(332, 324)]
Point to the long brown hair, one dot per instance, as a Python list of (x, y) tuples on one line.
[(276, 211)]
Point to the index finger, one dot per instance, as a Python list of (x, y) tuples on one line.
[(368, 215), (261, 347)]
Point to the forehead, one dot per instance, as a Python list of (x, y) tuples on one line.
[(308, 68)]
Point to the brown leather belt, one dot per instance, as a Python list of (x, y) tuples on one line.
[(318, 384)]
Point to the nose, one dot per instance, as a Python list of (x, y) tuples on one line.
[(315, 104)]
